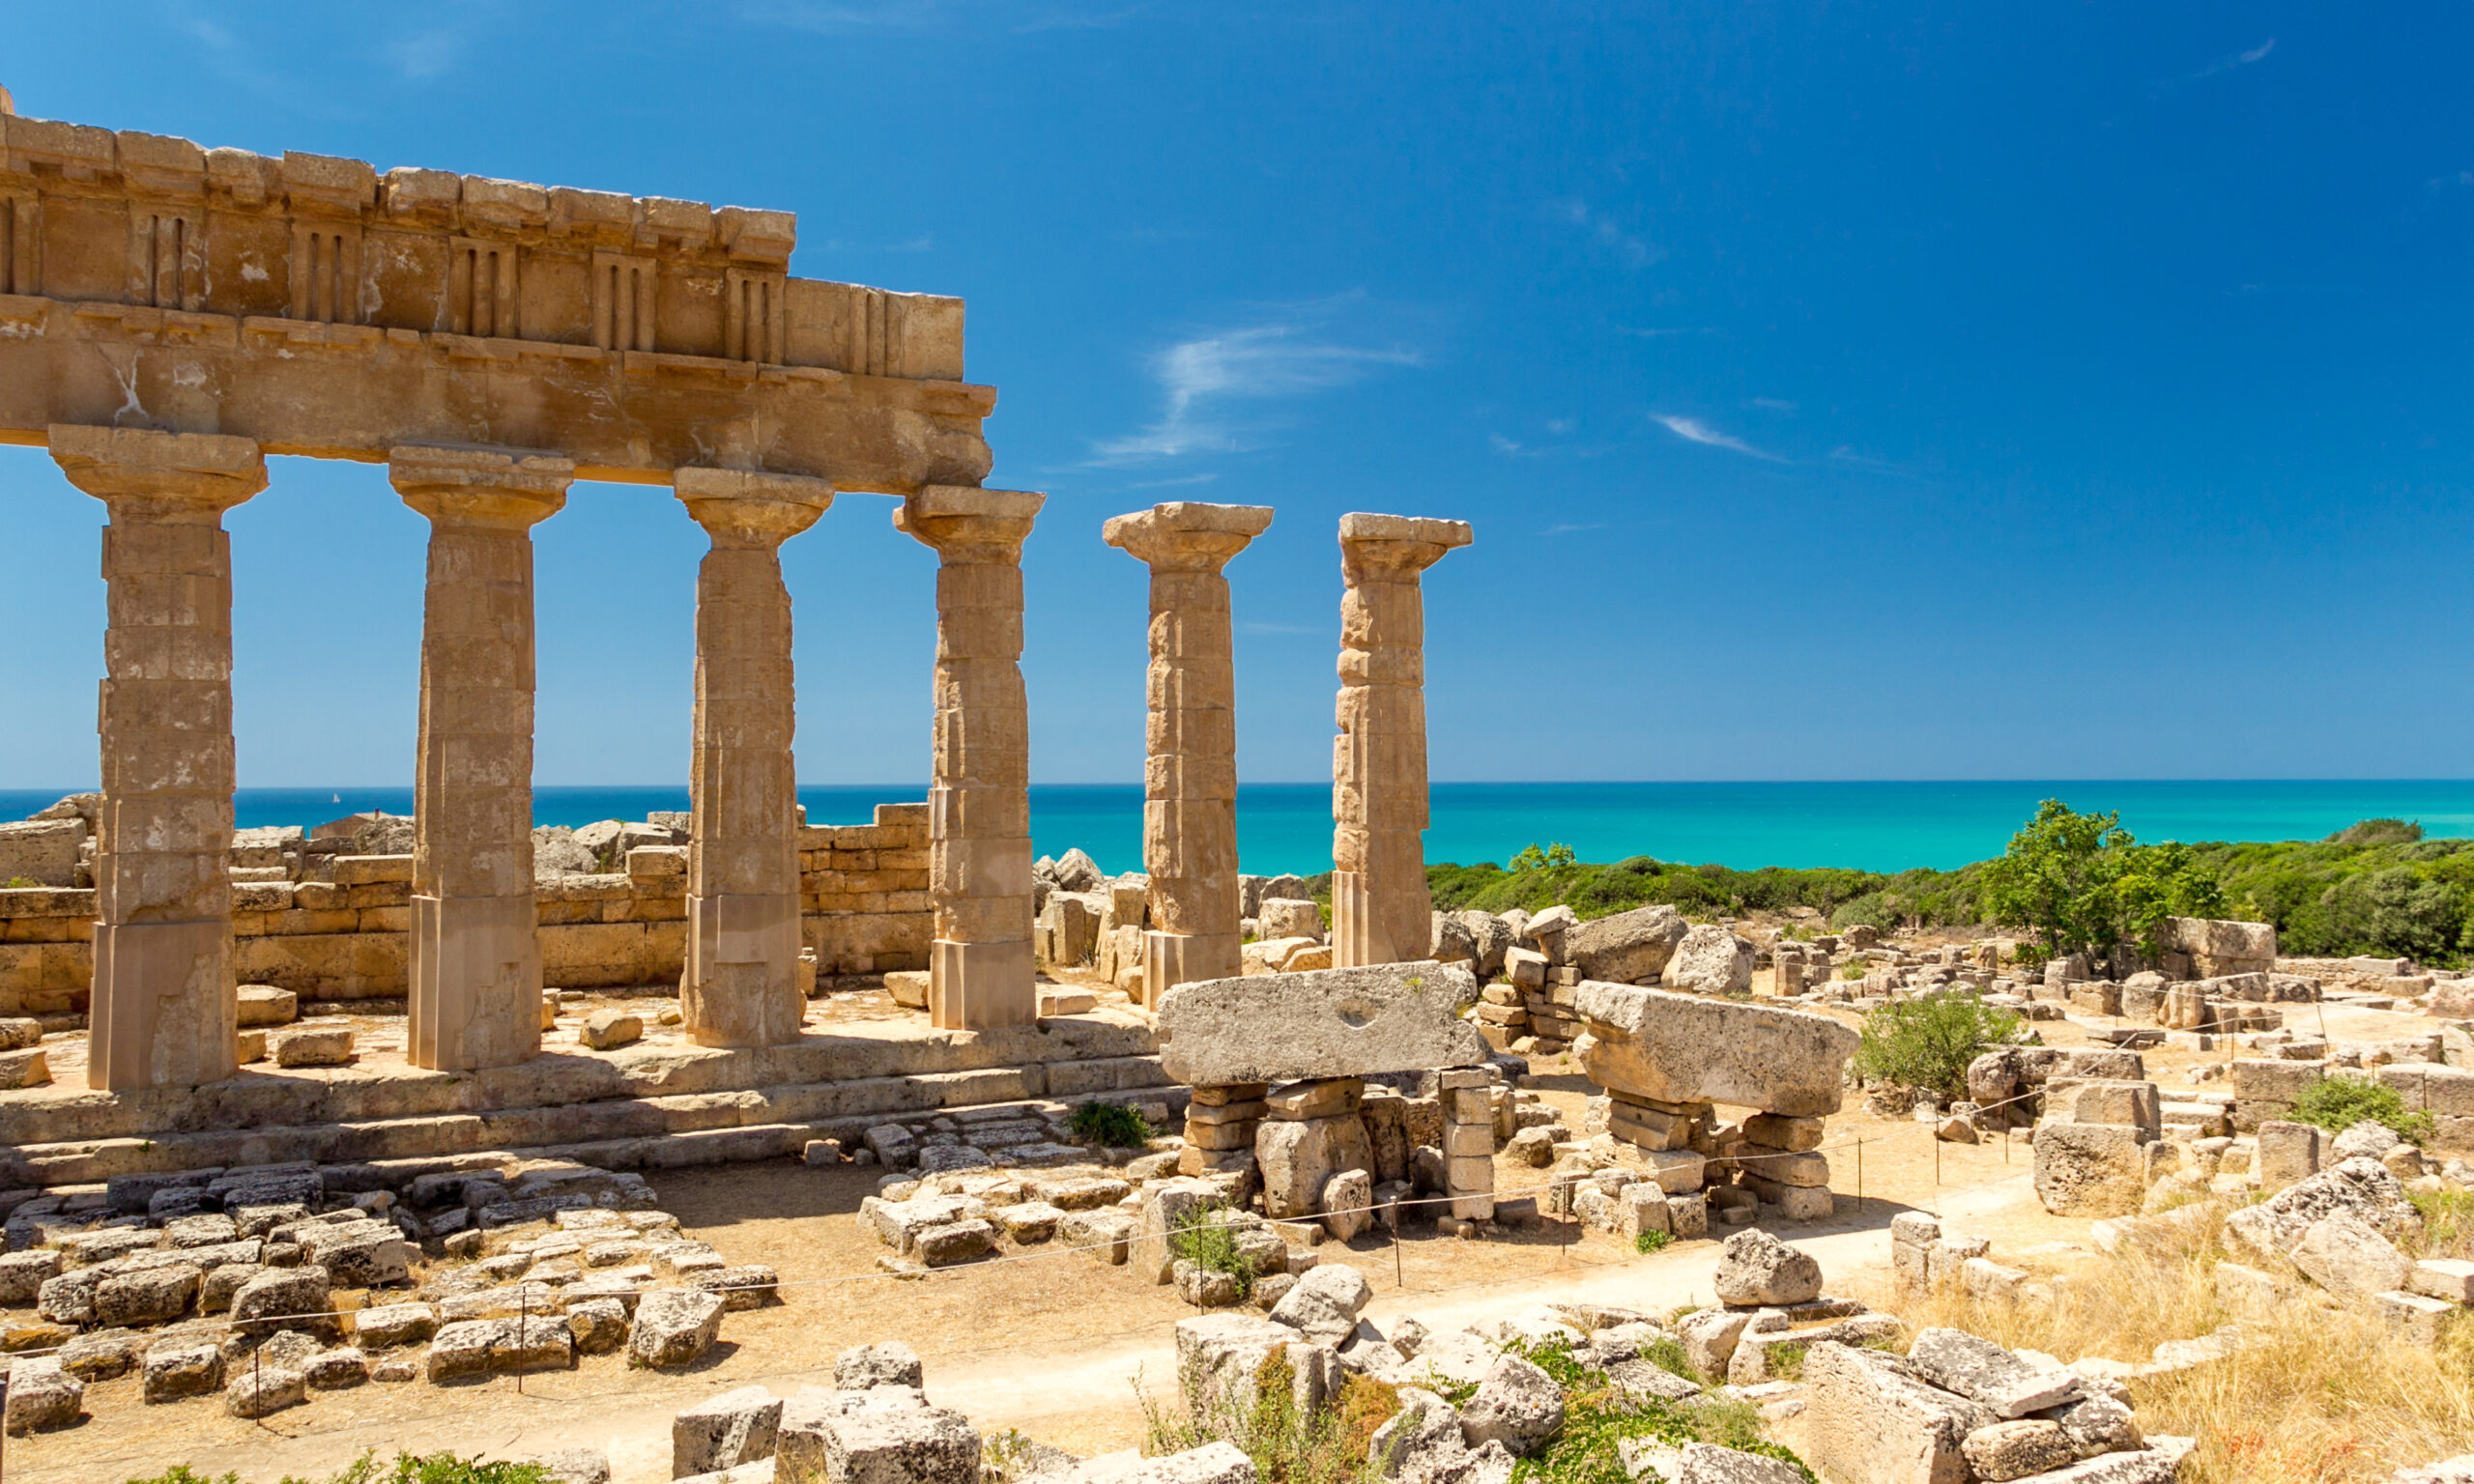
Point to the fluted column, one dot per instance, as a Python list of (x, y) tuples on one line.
[(162, 1009), (1190, 760), (475, 961), (1381, 911), (741, 983), (979, 809)]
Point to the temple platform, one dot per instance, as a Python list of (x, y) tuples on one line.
[(660, 1102)]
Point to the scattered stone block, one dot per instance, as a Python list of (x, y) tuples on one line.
[(1756, 1268), (258, 1391), (181, 1366), (320, 1046), (43, 1395), (724, 1431), (482, 1347), (1990, 1375), (1865, 1417), (609, 1028), (1684, 1049), (674, 1327), (1518, 1405), (267, 1005)]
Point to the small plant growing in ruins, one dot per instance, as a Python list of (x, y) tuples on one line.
[(1650, 1241), (1110, 1123), (20, 883), (1598, 1416), (1206, 1240), (406, 1469), (2338, 1104), (1289, 1444), (1925, 1044)]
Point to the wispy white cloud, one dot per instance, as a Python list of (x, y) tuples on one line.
[(1632, 249), (1566, 530), (2231, 62), (1693, 430), (426, 55), (1166, 484), (1204, 381), (1769, 404)]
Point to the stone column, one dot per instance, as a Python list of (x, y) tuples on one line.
[(1381, 912), (1190, 766), (475, 961), (741, 983), (979, 807), (163, 1010)]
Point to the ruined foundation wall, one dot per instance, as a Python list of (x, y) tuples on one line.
[(863, 900)]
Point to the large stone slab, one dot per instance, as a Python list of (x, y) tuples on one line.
[(1684, 1048), (1319, 1023)]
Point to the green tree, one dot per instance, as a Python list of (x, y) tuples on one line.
[(2082, 884)]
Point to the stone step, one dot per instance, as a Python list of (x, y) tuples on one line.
[(615, 1132)]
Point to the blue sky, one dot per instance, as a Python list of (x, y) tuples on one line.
[(1838, 391)]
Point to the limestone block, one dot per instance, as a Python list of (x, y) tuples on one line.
[(1989, 1375), (728, 1431), (1682, 1049), (610, 1028), (2287, 1152), (1711, 959), (482, 1347), (267, 1005), (2089, 1169), (1518, 1405), (321, 1046), (1298, 1157), (1283, 917), (1626, 947), (674, 1327), (2346, 1256), (43, 1395), (1865, 1417), (1756, 1268), (181, 1366), (1324, 1023)]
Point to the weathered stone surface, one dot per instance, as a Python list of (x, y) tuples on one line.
[(1625, 947), (1984, 1372), (724, 1431), (1866, 1417), (2089, 1169), (1324, 1023), (42, 1396), (889, 1436), (284, 1297), (262, 1389), (1711, 960), (2266, 1234), (2013, 1450), (482, 1347), (1220, 1357), (2346, 1256), (1756, 1268), (391, 1325), (1518, 1405), (147, 1297), (2287, 1152), (183, 1366), (886, 1363), (361, 1254), (1709, 1337), (1297, 1160), (2097, 1424), (609, 1028), (1684, 1048), (674, 1327), (1325, 1302)]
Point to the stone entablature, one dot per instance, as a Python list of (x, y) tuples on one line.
[(659, 333), (863, 894)]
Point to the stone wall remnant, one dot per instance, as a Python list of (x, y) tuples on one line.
[(1351, 1022)]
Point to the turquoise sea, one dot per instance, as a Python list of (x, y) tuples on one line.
[(1287, 827)]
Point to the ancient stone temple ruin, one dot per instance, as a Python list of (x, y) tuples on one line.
[(175, 314)]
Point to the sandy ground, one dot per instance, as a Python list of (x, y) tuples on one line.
[(1055, 1344)]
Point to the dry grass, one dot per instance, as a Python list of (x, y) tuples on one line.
[(2318, 1396)]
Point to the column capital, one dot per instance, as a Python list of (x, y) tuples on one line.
[(506, 489), (965, 522), (1187, 536), (176, 476), (751, 507), (1396, 546)]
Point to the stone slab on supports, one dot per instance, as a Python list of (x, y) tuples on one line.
[(980, 973), (1381, 910), (163, 1007), (741, 986), (1189, 769), (476, 964)]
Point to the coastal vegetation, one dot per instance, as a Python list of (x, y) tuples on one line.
[(2074, 880)]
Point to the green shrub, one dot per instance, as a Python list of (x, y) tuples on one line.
[(1650, 1241), (1206, 1238), (1666, 1353), (1112, 1124), (20, 883), (1599, 1416), (2377, 832), (406, 1469), (1926, 1042), (1287, 1444), (2339, 1103)]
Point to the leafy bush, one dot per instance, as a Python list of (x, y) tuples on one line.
[(1650, 1241), (2377, 832), (20, 883), (1599, 1416), (1927, 1042), (2082, 884), (1110, 1123), (2339, 1103), (1206, 1238)]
